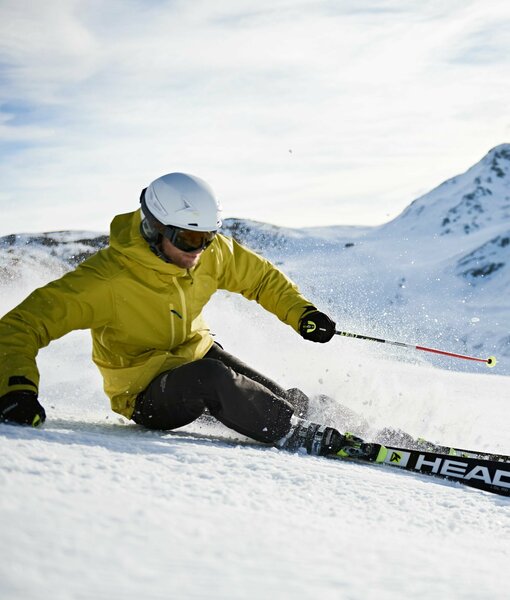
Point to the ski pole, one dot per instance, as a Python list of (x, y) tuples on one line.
[(490, 361)]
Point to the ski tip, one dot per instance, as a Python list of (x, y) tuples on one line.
[(491, 362)]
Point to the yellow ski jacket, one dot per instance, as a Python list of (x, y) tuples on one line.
[(144, 314)]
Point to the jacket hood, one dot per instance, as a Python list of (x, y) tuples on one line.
[(125, 237)]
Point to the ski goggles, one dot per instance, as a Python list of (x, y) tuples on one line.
[(187, 240)]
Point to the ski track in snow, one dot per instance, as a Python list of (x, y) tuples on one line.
[(95, 507)]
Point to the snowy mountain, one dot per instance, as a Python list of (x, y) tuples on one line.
[(468, 217), (476, 200), (93, 506), (460, 234)]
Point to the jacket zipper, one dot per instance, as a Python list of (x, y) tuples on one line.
[(172, 324), (184, 311)]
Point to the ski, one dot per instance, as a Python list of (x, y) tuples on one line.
[(425, 446), (401, 439), (480, 473)]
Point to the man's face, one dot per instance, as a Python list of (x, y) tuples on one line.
[(184, 260)]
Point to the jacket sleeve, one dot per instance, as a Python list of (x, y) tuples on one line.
[(78, 300), (251, 275)]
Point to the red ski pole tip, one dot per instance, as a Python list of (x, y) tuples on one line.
[(491, 361)]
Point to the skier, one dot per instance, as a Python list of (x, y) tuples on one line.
[(142, 299)]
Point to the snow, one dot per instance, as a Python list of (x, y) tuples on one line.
[(93, 506), (96, 507), (96, 511)]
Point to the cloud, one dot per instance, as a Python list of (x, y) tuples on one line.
[(378, 101)]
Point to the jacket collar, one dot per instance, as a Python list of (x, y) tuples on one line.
[(125, 237)]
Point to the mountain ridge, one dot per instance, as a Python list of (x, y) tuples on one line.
[(464, 203)]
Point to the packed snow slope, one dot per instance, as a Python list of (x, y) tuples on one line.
[(93, 506)]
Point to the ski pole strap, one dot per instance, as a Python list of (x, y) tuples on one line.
[(490, 361)]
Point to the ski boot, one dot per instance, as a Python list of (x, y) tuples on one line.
[(320, 440)]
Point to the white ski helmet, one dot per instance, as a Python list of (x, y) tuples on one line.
[(183, 201)]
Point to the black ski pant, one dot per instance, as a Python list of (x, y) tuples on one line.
[(238, 396)]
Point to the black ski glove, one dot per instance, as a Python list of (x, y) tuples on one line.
[(316, 326), (22, 407)]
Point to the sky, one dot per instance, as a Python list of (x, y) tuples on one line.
[(297, 112)]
